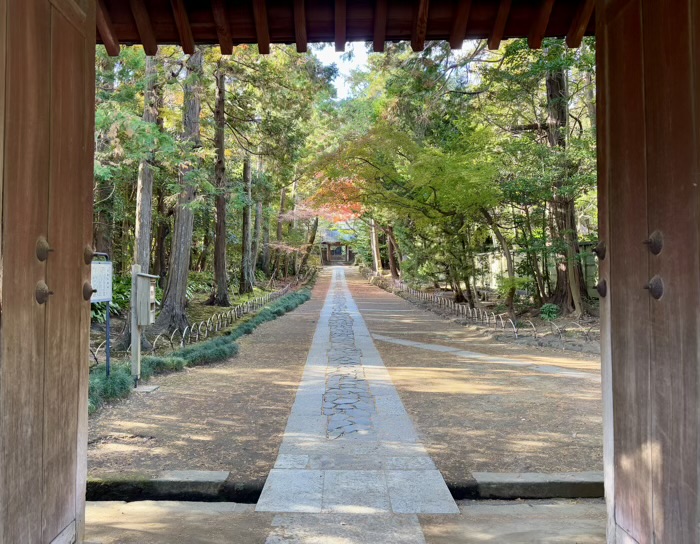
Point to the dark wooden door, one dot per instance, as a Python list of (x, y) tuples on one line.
[(48, 53), (649, 175)]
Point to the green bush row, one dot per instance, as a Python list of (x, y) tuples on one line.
[(119, 383)]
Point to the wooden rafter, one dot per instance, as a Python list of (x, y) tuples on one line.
[(379, 34), (106, 30), (228, 22), (300, 25), (420, 26), (580, 23), (143, 24), (182, 21), (499, 26), (340, 24), (459, 27), (223, 29), (261, 27), (539, 26)]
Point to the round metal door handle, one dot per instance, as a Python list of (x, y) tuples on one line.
[(655, 242), (602, 288), (88, 290), (42, 292), (655, 287), (88, 254), (42, 249)]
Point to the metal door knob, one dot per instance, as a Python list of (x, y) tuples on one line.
[(42, 292), (42, 249), (655, 287), (655, 242), (88, 290), (602, 288)]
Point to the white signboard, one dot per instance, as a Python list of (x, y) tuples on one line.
[(101, 281)]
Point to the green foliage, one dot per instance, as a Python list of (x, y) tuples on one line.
[(121, 296), (151, 365), (119, 384), (103, 389), (506, 284), (448, 148), (549, 312)]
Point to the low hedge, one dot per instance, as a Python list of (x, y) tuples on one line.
[(119, 384)]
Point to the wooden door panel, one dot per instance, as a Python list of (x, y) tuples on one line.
[(46, 116), (85, 212), (64, 356), (628, 262), (25, 201), (673, 180)]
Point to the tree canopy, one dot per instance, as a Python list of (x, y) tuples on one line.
[(441, 163)]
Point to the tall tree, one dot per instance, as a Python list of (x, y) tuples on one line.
[(392, 249), (144, 187), (172, 314), (220, 295), (247, 282), (569, 281), (374, 239), (309, 244), (257, 235)]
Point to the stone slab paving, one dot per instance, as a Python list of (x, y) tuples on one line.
[(349, 447), (497, 522)]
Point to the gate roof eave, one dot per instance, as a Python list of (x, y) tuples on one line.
[(264, 22)]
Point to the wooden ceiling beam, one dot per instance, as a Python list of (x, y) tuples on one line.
[(459, 26), (300, 25), (340, 25), (182, 21), (420, 26), (106, 30), (539, 25), (262, 29), (223, 29), (580, 23), (144, 26), (499, 26), (379, 34)]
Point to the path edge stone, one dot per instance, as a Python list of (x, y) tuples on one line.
[(536, 485), (216, 486), (183, 485)]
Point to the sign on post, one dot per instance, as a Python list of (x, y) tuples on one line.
[(101, 281)]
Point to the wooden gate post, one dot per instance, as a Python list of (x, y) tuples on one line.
[(649, 206), (47, 84)]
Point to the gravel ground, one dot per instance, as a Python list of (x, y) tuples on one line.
[(479, 415), (474, 415), (225, 416)]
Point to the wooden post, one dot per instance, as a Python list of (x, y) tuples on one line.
[(649, 200), (46, 173), (135, 329)]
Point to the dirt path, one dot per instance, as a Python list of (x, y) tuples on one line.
[(482, 414), (227, 416), (510, 409)]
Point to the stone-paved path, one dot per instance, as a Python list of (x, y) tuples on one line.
[(350, 449)]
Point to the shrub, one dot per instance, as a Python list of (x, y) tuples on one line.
[(549, 312), (120, 383), (103, 389), (158, 365)]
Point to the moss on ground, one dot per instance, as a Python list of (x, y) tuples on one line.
[(198, 310)]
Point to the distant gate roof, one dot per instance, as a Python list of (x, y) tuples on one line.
[(262, 22)]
